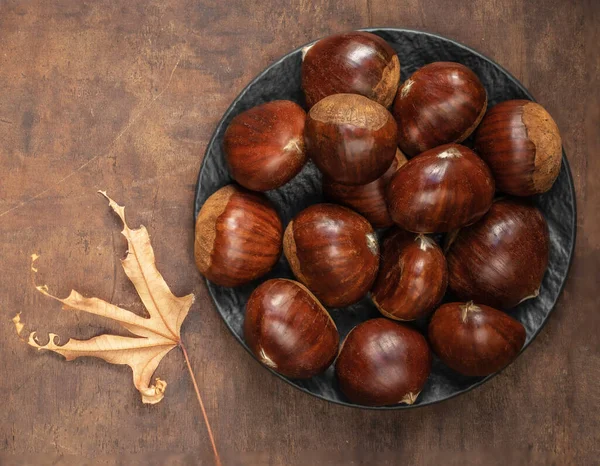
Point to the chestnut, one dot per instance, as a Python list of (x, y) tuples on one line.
[(351, 63), (289, 330), (334, 252), (383, 363), (412, 278), (440, 190), (501, 260), (521, 143), (367, 199), (351, 139), (264, 146), (474, 339), (441, 103), (238, 236)]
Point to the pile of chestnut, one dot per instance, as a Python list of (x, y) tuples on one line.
[(390, 156)]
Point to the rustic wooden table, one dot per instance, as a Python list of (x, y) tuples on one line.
[(124, 96)]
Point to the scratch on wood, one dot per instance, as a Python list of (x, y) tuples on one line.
[(143, 108), (6, 121)]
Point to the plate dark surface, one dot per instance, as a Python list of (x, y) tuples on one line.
[(281, 80)]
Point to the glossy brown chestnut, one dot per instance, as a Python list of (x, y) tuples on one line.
[(351, 63), (440, 190), (475, 339), (441, 103), (351, 139), (383, 363), (238, 236), (521, 143), (412, 278), (367, 199), (334, 252), (501, 260), (264, 146), (288, 330)]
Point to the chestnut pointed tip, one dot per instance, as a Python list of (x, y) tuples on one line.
[(372, 243), (450, 153), (266, 360), (467, 308), (410, 398), (533, 295), (425, 242), (406, 88)]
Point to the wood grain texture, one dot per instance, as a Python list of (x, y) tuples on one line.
[(124, 96)]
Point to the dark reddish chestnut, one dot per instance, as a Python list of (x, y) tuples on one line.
[(238, 236), (440, 190), (412, 278), (501, 260), (288, 330), (351, 139), (383, 363), (441, 103), (351, 63), (264, 146), (521, 143), (474, 339), (334, 252), (367, 199)]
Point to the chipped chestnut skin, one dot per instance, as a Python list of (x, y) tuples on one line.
[(351, 63), (501, 260), (264, 146), (368, 199), (412, 278), (383, 363), (441, 103), (350, 138), (474, 339), (521, 143), (440, 190), (288, 330), (334, 252), (238, 236)]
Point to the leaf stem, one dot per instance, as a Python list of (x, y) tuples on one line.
[(210, 434)]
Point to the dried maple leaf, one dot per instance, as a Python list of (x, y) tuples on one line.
[(154, 336)]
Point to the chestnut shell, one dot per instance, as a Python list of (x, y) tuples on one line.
[(441, 103), (351, 63), (334, 252), (474, 339), (440, 190), (264, 146), (288, 330), (412, 278), (521, 143), (501, 260), (368, 199), (383, 363), (238, 236), (350, 138)]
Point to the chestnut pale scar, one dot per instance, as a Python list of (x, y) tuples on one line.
[(544, 133), (206, 233), (359, 111), (385, 89)]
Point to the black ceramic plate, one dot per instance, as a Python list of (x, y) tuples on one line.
[(281, 80)]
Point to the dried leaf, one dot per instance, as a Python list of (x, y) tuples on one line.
[(155, 336)]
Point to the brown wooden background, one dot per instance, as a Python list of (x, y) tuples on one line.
[(124, 96)]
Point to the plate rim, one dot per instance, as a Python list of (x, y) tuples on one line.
[(475, 385)]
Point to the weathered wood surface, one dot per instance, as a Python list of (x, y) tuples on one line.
[(123, 96)]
